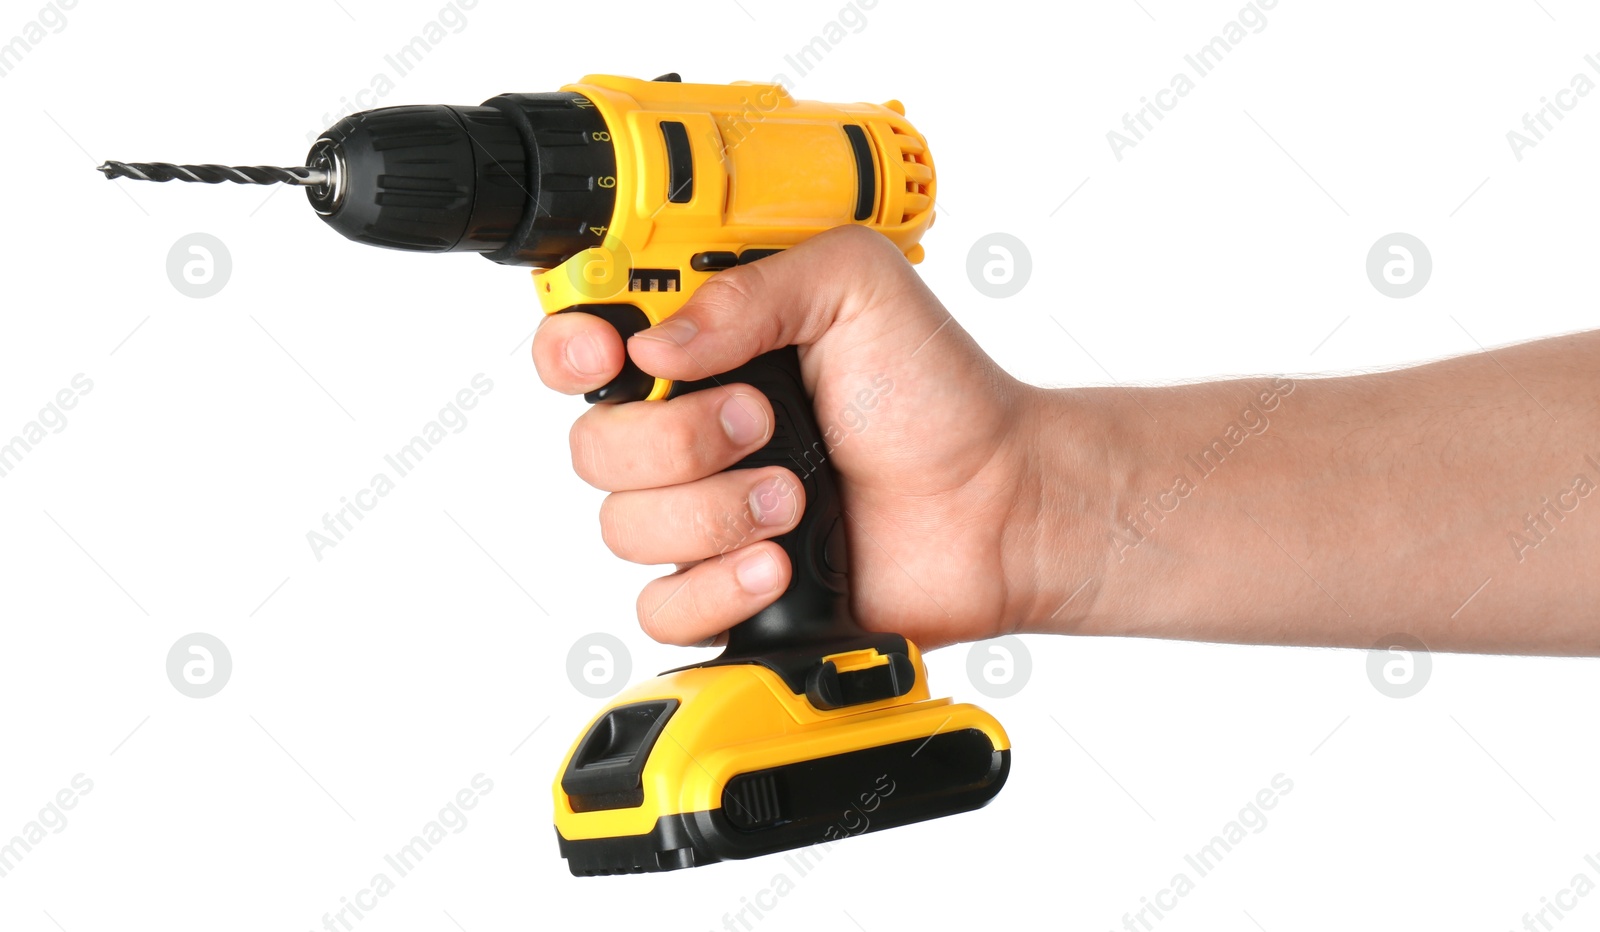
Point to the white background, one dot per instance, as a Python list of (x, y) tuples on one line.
[(370, 686)]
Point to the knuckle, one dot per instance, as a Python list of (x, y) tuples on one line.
[(856, 235), (685, 511), (616, 530), (663, 600), (585, 450), (730, 290), (680, 440), (718, 528), (645, 609), (860, 246), (867, 255)]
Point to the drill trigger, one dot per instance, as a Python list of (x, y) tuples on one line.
[(632, 383)]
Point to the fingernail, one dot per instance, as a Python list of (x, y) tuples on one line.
[(744, 420), (772, 502), (708, 642), (583, 355), (675, 330), (758, 574)]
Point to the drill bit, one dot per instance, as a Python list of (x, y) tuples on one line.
[(214, 174)]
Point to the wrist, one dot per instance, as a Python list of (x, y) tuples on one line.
[(1077, 461)]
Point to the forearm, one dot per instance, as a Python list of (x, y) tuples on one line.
[(1450, 501)]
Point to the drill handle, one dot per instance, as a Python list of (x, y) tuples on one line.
[(799, 636), (814, 609)]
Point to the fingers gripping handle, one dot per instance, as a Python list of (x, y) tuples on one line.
[(799, 636), (815, 607), (814, 611)]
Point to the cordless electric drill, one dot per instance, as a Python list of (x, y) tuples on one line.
[(625, 196)]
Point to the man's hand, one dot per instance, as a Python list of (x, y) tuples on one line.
[(937, 450), (1451, 502)]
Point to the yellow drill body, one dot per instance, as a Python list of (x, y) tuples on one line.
[(768, 171)]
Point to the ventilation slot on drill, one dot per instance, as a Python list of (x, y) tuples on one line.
[(919, 175)]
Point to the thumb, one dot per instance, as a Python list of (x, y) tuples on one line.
[(793, 297)]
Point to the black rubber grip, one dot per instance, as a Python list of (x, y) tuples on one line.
[(815, 608)]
